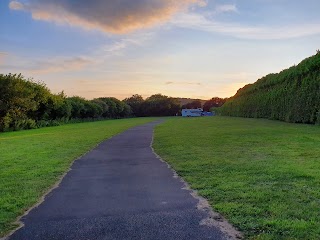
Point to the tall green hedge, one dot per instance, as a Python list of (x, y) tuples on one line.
[(293, 95)]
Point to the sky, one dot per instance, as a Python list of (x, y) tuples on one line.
[(186, 48)]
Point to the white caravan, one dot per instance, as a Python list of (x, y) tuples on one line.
[(192, 112)]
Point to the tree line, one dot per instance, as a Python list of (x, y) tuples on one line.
[(293, 95), (27, 104), (159, 105)]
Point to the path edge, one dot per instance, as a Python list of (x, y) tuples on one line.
[(215, 219)]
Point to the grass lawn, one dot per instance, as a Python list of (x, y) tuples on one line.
[(32, 161), (263, 176)]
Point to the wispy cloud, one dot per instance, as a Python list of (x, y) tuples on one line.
[(201, 23), (48, 66), (59, 65), (120, 44), (109, 16), (226, 8), (97, 59)]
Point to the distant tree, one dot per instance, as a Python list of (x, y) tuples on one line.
[(78, 108), (116, 108), (213, 102), (58, 108), (160, 105), (135, 102), (192, 105), (103, 106)]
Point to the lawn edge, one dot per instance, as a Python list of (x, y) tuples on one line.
[(18, 220), (215, 219)]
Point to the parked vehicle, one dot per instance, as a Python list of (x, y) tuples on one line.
[(195, 113)]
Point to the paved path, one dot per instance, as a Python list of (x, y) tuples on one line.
[(119, 190)]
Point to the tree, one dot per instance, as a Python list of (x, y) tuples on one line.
[(135, 102), (116, 108), (58, 107), (18, 102), (103, 106), (78, 108), (213, 102), (160, 105), (192, 105)]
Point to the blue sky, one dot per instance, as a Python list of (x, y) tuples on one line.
[(187, 48)]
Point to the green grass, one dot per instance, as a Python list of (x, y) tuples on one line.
[(263, 176), (32, 161)]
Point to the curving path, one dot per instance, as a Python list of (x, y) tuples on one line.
[(119, 190)]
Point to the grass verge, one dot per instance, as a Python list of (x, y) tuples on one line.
[(32, 161), (264, 176)]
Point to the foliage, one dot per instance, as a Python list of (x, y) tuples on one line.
[(292, 95), (155, 105), (135, 102), (262, 175), (26, 104), (192, 105), (116, 108), (19, 101), (213, 103)]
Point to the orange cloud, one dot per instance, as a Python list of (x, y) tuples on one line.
[(109, 16)]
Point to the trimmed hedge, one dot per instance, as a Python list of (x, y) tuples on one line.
[(293, 95)]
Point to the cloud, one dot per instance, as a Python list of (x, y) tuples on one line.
[(71, 64), (116, 16), (59, 65), (226, 8), (200, 22), (120, 44), (15, 5)]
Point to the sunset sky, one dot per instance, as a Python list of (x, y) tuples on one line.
[(185, 48)]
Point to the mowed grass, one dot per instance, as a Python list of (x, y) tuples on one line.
[(32, 161), (263, 176)]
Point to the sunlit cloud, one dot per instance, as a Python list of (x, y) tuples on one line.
[(15, 5), (109, 16), (200, 22)]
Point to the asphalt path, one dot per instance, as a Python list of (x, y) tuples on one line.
[(119, 190)]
